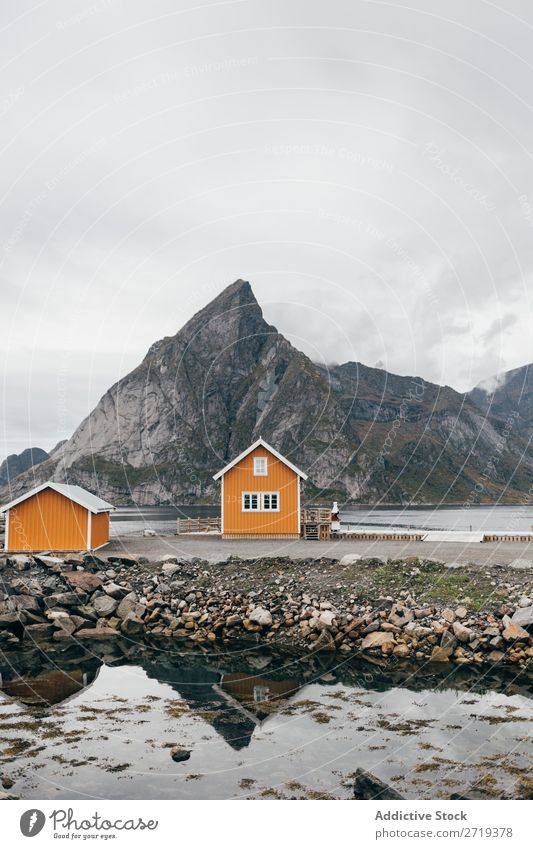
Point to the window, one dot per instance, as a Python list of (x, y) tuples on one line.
[(267, 502), (260, 466), (250, 501), (270, 501)]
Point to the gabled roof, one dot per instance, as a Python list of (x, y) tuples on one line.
[(260, 442), (75, 493)]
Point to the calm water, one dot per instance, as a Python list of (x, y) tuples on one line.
[(133, 520), (99, 723)]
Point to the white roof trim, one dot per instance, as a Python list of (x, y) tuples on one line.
[(263, 444), (75, 493)]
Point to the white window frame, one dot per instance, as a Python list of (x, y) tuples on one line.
[(260, 496), (269, 509), (260, 463), (251, 509)]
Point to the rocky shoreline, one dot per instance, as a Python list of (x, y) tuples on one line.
[(404, 610)]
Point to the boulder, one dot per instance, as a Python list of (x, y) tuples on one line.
[(523, 616), (495, 656), (8, 620), (180, 753), (65, 624), (115, 591), (401, 650), (400, 615), (514, 632), (448, 641), (131, 625), (440, 655), (94, 562), (129, 604), (170, 569), (54, 563), (123, 561), (104, 605), (448, 614), (74, 560), (85, 581), (350, 559), (376, 640), (520, 563), (367, 786), (64, 599), (96, 633), (463, 634), (326, 619), (25, 602), (41, 630), (260, 616), (21, 562)]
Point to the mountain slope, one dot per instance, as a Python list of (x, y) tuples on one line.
[(16, 464), (508, 395), (202, 396)]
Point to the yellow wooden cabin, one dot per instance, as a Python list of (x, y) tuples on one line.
[(56, 517), (260, 495)]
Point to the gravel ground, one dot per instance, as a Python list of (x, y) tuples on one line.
[(214, 549)]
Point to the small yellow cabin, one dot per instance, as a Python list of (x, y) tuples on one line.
[(260, 495), (56, 517)]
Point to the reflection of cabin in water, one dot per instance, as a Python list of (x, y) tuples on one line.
[(50, 687), (255, 695)]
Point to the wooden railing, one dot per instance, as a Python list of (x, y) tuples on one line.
[(209, 524)]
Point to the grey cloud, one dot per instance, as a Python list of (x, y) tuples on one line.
[(366, 166)]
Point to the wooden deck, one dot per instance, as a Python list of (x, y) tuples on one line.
[(315, 523), (206, 525)]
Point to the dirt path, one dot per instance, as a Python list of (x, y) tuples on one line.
[(215, 549)]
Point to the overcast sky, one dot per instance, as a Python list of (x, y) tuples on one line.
[(367, 166)]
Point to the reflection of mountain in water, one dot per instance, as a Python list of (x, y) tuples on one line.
[(224, 688), (233, 704)]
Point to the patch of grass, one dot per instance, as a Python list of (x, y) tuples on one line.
[(321, 717)]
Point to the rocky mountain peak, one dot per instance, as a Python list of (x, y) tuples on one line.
[(202, 396)]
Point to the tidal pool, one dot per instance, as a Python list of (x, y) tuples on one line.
[(100, 723)]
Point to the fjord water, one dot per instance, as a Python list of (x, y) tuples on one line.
[(100, 722), (519, 518)]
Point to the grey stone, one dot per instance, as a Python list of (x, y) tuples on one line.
[(400, 615), (523, 616), (260, 616), (131, 625), (367, 787), (129, 604), (115, 591), (463, 634), (376, 640), (104, 605), (520, 563), (350, 559)]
